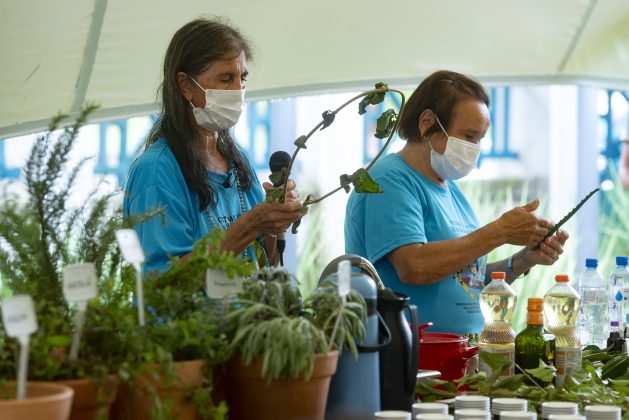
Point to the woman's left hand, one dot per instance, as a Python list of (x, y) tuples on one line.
[(549, 250), (291, 192)]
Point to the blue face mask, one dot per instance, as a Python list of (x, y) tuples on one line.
[(458, 160)]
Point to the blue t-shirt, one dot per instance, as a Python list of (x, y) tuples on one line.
[(155, 180), (414, 209)]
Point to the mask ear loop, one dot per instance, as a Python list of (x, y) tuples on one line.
[(439, 122)]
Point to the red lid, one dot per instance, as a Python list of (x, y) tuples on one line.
[(562, 278), (498, 275)]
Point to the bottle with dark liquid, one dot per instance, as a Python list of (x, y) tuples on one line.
[(532, 345)]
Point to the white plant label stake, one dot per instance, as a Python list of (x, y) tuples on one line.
[(218, 285), (343, 276), (18, 317), (132, 252), (79, 286)]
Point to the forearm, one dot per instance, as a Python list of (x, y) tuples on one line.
[(428, 263), (623, 166), (518, 267), (239, 235)]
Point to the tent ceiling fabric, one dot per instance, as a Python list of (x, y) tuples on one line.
[(57, 55)]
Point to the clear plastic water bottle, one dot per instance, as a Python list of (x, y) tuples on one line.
[(620, 278), (594, 306), (561, 309)]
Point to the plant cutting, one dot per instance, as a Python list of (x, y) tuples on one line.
[(603, 380), (41, 235), (182, 342), (285, 348), (360, 180)]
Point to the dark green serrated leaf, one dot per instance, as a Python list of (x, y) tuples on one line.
[(567, 217), (277, 177), (301, 142), (385, 124), (328, 118), (364, 183)]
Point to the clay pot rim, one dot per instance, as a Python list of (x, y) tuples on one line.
[(254, 370), (77, 381), (55, 392)]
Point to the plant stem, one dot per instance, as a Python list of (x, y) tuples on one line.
[(336, 111), (373, 161)]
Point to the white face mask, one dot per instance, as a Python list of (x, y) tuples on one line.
[(458, 160), (222, 108)]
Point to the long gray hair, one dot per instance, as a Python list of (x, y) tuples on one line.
[(192, 50)]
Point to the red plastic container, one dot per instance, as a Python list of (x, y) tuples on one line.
[(447, 353)]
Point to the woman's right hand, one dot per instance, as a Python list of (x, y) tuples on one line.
[(520, 225), (273, 218)]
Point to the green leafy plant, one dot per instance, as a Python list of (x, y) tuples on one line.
[(269, 319), (360, 180), (182, 324), (41, 235), (590, 385)]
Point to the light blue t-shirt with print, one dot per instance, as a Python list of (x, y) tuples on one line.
[(155, 180), (414, 209)]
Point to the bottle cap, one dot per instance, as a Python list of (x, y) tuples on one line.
[(622, 260), (535, 304), (498, 275), (562, 278), (614, 323), (591, 263)]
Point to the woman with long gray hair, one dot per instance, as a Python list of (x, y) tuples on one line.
[(191, 166)]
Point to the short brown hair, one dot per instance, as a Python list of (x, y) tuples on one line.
[(438, 92)]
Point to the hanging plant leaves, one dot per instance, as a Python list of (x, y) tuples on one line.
[(346, 181), (364, 183), (301, 142), (385, 124), (328, 118), (567, 217), (278, 177), (304, 210), (372, 99)]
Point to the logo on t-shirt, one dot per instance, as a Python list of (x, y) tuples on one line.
[(472, 276)]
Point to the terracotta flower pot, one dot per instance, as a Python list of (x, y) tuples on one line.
[(136, 401), (249, 396), (44, 401), (89, 401)]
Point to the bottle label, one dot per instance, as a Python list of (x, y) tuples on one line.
[(567, 360), (593, 296), (508, 352)]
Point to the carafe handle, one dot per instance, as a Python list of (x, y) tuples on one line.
[(413, 363), (382, 328)]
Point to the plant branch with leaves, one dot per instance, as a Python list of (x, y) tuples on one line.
[(360, 180)]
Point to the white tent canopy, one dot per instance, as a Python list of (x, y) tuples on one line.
[(57, 55)]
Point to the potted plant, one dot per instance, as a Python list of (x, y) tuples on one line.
[(42, 234), (285, 348), (182, 340)]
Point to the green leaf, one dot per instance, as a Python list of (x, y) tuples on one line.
[(495, 361), (328, 118), (301, 142), (275, 195), (364, 183), (277, 177), (543, 372), (59, 340), (372, 99), (346, 181), (385, 124), (567, 217)]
